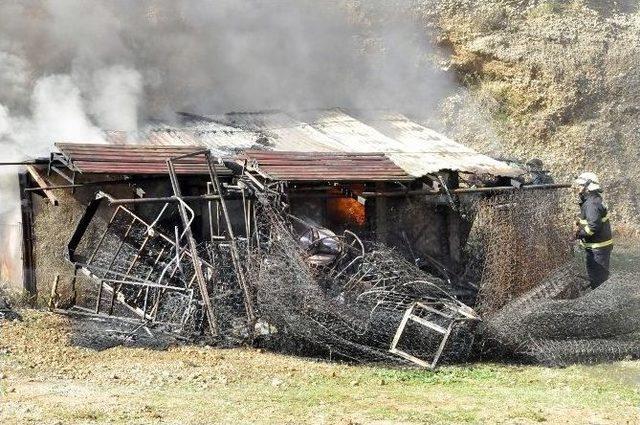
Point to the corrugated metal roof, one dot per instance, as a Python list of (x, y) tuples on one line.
[(324, 166), (418, 150), (349, 134), (413, 147), (221, 139), (426, 151), (134, 159), (279, 131)]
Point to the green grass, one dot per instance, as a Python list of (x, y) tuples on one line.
[(196, 385), (51, 381)]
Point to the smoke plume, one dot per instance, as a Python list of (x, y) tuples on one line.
[(72, 68)]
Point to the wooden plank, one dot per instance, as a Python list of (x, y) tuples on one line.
[(409, 357), (428, 324), (443, 343), (403, 323), (42, 183), (28, 258)]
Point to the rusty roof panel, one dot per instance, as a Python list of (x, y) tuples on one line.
[(324, 166), (134, 159)]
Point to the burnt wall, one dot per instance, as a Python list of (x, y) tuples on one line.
[(53, 227), (421, 228), (417, 227)]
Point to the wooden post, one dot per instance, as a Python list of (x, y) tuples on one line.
[(42, 183), (54, 297), (28, 258), (382, 215)]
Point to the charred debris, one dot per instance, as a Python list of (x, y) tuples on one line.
[(334, 253)]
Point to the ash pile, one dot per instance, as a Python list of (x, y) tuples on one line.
[(282, 282)]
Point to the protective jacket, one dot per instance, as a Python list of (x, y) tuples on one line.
[(595, 228)]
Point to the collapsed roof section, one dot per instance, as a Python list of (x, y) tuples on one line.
[(414, 148)]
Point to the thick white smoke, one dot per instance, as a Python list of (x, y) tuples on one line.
[(216, 56), (4, 121), (116, 98), (56, 113), (69, 68)]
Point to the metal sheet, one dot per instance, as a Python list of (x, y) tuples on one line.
[(279, 131), (426, 151), (416, 149), (133, 159), (220, 138), (325, 166)]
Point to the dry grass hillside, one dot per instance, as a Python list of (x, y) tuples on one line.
[(558, 80)]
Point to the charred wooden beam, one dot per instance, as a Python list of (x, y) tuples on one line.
[(197, 263), (18, 163), (129, 180), (510, 188), (42, 183), (430, 192), (28, 259)]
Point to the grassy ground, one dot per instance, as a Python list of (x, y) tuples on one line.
[(45, 379)]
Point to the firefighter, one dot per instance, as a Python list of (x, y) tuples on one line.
[(593, 228), (537, 172)]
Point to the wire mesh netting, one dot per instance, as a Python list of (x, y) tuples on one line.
[(357, 298), (534, 295), (518, 239), (551, 324), (351, 307)]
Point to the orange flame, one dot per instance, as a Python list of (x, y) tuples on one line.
[(347, 211)]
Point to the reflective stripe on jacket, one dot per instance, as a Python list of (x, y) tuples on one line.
[(595, 228)]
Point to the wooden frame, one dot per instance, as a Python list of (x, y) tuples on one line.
[(457, 314)]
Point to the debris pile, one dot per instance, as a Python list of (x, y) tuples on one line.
[(131, 270), (6, 311), (336, 294), (347, 296), (552, 325), (354, 305)]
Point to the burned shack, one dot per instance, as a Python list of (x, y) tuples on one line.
[(341, 231)]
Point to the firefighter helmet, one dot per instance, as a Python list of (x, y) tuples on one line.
[(589, 181)]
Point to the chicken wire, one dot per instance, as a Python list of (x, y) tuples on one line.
[(534, 292), (563, 322), (535, 301), (351, 311), (516, 240)]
